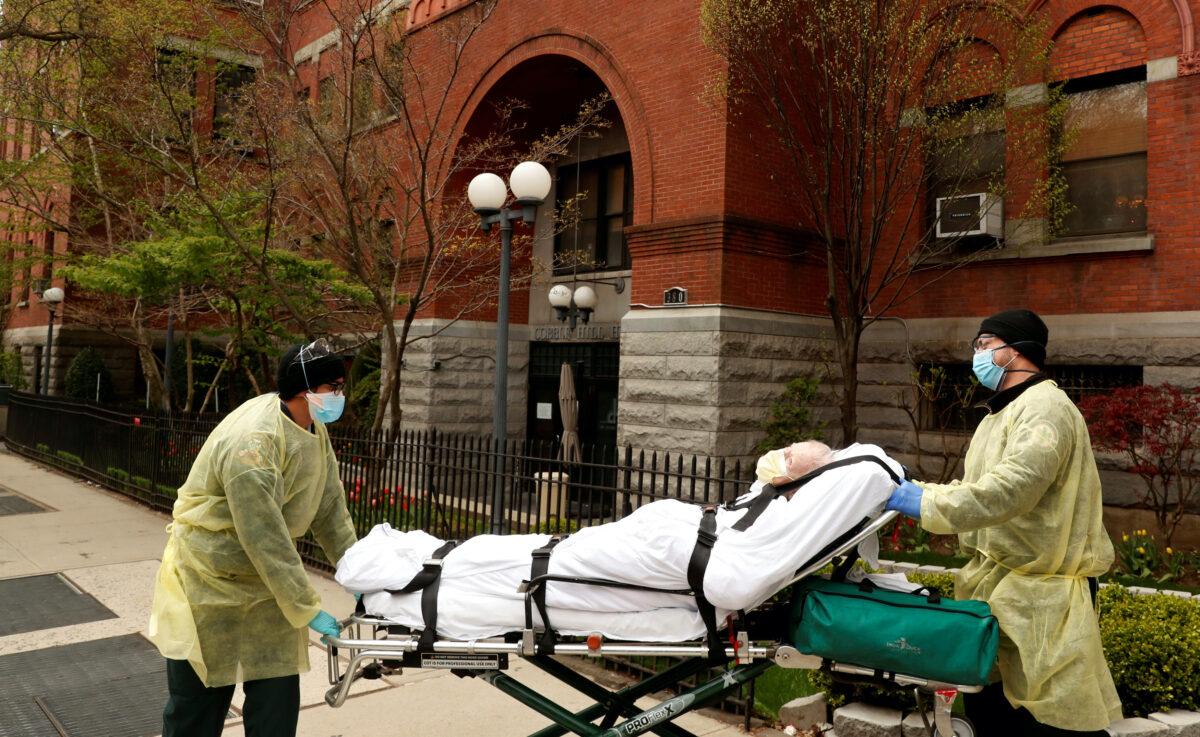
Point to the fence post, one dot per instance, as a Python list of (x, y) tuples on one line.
[(430, 477)]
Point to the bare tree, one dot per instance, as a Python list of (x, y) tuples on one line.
[(875, 109), (127, 145), (377, 173), (46, 21)]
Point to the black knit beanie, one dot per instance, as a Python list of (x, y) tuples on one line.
[(1021, 329), (292, 377)]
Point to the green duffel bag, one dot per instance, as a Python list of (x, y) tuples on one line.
[(920, 634)]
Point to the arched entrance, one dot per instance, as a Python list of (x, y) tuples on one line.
[(593, 169)]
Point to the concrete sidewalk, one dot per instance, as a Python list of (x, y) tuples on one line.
[(109, 547)]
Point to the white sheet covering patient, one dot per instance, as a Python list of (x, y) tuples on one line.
[(650, 547)]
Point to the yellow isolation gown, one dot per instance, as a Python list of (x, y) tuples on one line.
[(232, 595)]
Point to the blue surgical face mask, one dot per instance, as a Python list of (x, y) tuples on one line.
[(326, 406), (986, 370)]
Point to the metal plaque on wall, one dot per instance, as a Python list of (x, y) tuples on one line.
[(675, 296)]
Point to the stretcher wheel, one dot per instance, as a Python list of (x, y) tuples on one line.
[(962, 728)]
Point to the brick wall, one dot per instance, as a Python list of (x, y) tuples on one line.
[(1091, 43), (1098, 40)]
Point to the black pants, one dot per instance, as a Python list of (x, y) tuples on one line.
[(993, 716), (272, 705)]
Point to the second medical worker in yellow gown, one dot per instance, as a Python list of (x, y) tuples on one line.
[(233, 602), (1029, 513)]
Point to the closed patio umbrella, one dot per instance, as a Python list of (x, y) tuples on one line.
[(568, 407)]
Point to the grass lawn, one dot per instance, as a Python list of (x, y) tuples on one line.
[(778, 686)]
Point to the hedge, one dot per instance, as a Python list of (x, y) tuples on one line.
[(1152, 642)]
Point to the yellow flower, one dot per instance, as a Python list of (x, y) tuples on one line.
[(1124, 538), (1170, 552), (1141, 550)]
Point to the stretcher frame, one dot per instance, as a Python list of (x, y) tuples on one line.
[(373, 657)]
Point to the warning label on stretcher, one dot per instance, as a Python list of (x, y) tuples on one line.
[(447, 660)]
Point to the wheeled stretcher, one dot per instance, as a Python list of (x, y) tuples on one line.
[(373, 646)]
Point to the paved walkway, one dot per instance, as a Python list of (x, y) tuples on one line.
[(109, 547)]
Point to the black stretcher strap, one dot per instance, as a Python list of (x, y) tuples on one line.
[(427, 581), (430, 572), (770, 493), (706, 537), (539, 567)]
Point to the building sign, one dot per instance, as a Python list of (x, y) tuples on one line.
[(675, 296), (581, 334), (545, 411)]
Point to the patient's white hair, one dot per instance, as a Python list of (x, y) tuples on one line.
[(808, 455)]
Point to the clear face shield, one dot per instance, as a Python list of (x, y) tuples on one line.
[(324, 406)]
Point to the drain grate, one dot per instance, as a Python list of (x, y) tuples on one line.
[(115, 687), (13, 504), (41, 602)]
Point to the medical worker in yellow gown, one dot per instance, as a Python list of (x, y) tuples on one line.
[(233, 603), (1029, 513)]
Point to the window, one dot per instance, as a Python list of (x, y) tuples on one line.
[(951, 391), (364, 93), (231, 81), (48, 257), (26, 272), (1105, 165), (175, 72), (597, 240), (965, 156), (326, 89)]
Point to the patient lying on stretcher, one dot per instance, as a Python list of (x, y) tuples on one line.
[(478, 595)]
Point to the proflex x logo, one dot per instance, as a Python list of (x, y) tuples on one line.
[(661, 713), (904, 646)]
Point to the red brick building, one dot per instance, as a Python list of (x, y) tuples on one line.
[(683, 198)]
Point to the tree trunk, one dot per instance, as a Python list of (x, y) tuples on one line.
[(848, 352), (389, 373), (154, 382), (189, 358)]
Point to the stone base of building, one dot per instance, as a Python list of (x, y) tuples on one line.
[(118, 355), (701, 380), (449, 377)]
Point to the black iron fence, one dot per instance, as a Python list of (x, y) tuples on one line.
[(447, 484), (443, 483)]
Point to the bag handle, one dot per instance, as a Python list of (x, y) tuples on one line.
[(932, 594), (933, 597)]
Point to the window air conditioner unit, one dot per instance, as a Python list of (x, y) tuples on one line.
[(970, 214)]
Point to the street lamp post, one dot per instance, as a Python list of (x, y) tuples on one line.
[(530, 184), (52, 298)]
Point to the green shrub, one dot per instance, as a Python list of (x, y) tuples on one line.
[(119, 474), (791, 419), (1152, 643), (363, 398), (943, 582), (81, 377), (555, 526), (10, 370), (43, 448), (69, 457), (168, 491), (142, 482)]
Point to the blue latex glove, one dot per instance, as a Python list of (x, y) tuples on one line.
[(325, 624), (906, 500)]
